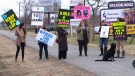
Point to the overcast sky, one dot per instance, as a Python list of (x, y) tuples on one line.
[(5, 5)]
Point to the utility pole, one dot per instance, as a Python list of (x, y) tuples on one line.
[(19, 10), (84, 2)]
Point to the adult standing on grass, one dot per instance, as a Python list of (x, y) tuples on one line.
[(83, 35), (20, 41), (63, 45), (103, 41), (43, 45)]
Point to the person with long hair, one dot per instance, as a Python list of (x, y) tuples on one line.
[(103, 41), (83, 36), (20, 40), (63, 45), (121, 43)]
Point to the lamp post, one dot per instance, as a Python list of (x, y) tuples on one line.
[(19, 10)]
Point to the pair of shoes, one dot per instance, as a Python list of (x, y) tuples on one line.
[(123, 57), (64, 58), (86, 55), (39, 58), (15, 61), (101, 55), (22, 60), (80, 55)]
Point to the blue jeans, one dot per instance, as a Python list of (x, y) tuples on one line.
[(103, 41), (41, 46)]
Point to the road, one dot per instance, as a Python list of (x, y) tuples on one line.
[(121, 67)]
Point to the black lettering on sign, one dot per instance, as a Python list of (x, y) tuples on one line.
[(134, 27), (129, 27), (35, 14), (9, 18)]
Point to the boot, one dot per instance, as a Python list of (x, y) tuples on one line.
[(123, 54), (118, 53), (105, 49), (80, 51), (86, 53), (101, 49)]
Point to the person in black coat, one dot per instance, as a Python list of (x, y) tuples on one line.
[(63, 45)]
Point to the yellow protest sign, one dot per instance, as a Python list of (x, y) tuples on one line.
[(130, 29)]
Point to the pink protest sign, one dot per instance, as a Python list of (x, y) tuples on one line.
[(81, 12)]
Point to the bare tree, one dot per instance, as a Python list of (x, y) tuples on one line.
[(95, 6), (3, 23), (26, 8)]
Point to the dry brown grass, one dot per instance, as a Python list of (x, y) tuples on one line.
[(32, 66)]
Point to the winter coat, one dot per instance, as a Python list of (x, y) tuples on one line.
[(80, 35), (62, 36), (18, 39)]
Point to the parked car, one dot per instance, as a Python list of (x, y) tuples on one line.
[(51, 27)]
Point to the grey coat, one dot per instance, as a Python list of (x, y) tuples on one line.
[(80, 35), (63, 45)]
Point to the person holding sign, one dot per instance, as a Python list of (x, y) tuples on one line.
[(42, 45), (119, 33), (20, 41), (103, 40), (63, 45), (83, 35)]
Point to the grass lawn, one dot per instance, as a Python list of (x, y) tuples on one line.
[(95, 42), (96, 39)]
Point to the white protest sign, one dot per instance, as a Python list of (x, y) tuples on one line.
[(37, 16), (104, 32), (46, 37), (111, 14), (74, 22)]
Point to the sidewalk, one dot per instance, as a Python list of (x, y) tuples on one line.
[(121, 67)]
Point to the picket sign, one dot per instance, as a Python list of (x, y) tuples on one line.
[(104, 32), (46, 37)]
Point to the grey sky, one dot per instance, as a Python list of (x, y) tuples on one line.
[(12, 4)]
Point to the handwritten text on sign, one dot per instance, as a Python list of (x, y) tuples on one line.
[(11, 19), (63, 18), (119, 31), (46, 37)]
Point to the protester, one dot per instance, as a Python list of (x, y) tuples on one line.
[(83, 35), (43, 45), (63, 45), (20, 41), (36, 29), (120, 43), (103, 41)]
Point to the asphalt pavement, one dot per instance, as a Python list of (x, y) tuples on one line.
[(120, 67)]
